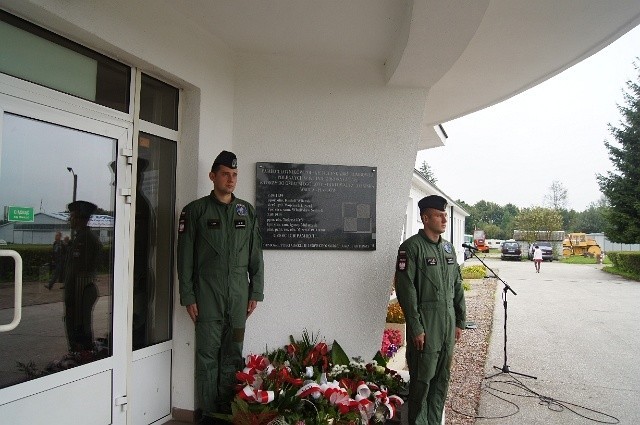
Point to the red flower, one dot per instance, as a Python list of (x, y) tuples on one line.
[(292, 349)]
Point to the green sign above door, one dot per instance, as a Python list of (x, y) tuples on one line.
[(20, 214)]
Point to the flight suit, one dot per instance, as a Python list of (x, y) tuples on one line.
[(429, 290), (80, 290), (220, 268)]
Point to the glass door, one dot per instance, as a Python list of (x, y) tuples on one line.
[(62, 211)]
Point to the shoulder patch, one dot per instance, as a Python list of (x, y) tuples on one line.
[(401, 262), (182, 222), (447, 248), (241, 209)]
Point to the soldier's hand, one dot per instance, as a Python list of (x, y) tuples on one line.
[(419, 340), (251, 306), (458, 334), (192, 309)]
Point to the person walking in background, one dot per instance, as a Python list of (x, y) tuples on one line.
[(429, 290), (58, 255), (537, 257), (220, 270)]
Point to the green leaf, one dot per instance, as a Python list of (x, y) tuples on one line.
[(379, 358), (239, 405), (338, 356)]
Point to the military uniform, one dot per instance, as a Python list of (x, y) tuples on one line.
[(80, 290), (220, 268), (429, 290)]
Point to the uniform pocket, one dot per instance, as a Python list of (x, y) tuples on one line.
[(429, 288), (433, 322)]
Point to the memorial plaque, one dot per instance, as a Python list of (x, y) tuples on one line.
[(311, 206)]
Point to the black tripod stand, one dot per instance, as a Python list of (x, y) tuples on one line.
[(506, 287)]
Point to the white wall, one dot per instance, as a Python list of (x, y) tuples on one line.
[(607, 246), (324, 112), (270, 109)]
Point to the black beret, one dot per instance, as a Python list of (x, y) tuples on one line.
[(226, 158), (432, 201), (82, 208)]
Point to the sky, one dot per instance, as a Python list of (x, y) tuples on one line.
[(513, 151), (34, 156)]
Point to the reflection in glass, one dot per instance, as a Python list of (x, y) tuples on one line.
[(66, 316), (153, 246), (159, 102)]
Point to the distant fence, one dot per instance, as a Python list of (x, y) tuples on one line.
[(607, 246)]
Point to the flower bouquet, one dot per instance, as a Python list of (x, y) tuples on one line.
[(308, 383), (391, 342)]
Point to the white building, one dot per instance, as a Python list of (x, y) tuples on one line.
[(89, 87)]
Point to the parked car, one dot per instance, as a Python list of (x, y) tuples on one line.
[(511, 251), (546, 247)]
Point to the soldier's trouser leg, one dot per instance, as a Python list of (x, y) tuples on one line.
[(89, 298), (439, 385), (429, 380), (218, 358), (208, 341), (231, 361)]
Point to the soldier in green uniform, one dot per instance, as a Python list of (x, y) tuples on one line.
[(221, 271), (80, 290), (429, 290)]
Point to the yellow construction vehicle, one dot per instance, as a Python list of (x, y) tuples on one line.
[(579, 244)]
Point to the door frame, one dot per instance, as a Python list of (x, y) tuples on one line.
[(40, 103)]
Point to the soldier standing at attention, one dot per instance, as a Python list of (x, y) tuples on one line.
[(80, 290), (429, 290), (220, 270)]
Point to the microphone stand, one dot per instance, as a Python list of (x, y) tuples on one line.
[(505, 288)]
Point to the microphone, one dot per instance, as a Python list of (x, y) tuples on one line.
[(471, 247)]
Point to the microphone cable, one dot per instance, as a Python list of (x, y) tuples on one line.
[(553, 404)]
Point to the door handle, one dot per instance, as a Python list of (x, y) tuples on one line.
[(17, 298)]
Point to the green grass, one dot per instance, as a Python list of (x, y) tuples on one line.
[(578, 259), (622, 273)]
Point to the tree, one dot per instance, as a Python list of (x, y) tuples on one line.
[(491, 231), (592, 220), (538, 221), (557, 196), (570, 220), (622, 186), (489, 212), (426, 171), (509, 214), (471, 221)]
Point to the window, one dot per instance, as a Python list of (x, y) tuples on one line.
[(159, 103), (39, 56)]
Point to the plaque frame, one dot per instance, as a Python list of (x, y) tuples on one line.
[(316, 206)]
